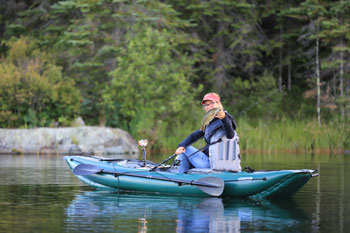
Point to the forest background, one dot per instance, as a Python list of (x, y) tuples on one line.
[(144, 66)]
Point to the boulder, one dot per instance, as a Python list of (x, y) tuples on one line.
[(78, 122), (69, 140)]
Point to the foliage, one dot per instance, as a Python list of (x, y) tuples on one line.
[(293, 136), (138, 64), (230, 42), (150, 87), (263, 101), (33, 91)]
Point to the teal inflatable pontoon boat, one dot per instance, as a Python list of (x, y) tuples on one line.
[(139, 176)]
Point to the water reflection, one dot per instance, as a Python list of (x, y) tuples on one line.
[(147, 213), (39, 169), (40, 194)]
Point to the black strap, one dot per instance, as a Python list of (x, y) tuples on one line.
[(248, 169)]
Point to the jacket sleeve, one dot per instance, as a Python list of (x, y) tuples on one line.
[(191, 138), (229, 125)]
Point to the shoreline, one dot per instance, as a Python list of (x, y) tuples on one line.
[(90, 140)]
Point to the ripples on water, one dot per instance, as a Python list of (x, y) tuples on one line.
[(40, 194)]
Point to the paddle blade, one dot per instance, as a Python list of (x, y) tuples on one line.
[(86, 169), (214, 185)]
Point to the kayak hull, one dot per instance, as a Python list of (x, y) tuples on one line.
[(261, 184)]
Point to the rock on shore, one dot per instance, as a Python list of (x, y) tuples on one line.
[(70, 140)]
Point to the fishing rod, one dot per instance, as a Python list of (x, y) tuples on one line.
[(255, 103), (201, 149), (173, 155), (243, 111)]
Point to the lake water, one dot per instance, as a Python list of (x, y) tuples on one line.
[(40, 194)]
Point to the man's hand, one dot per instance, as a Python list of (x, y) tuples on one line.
[(180, 150), (221, 115)]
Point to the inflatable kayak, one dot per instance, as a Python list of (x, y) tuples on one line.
[(138, 175)]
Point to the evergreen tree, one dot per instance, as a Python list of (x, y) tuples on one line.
[(335, 35), (312, 12), (88, 37), (230, 41)]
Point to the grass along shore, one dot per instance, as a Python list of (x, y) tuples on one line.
[(294, 136), (286, 136)]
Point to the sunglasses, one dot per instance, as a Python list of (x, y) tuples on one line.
[(209, 104)]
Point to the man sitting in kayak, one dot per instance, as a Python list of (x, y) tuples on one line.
[(216, 124)]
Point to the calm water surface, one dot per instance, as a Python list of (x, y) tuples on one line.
[(40, 194)]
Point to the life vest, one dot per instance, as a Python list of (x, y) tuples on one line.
[(225, 154), (212, 129)]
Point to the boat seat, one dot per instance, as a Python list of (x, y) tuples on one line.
[(225, 155)]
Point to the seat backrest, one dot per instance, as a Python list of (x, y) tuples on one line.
[(225, 155)]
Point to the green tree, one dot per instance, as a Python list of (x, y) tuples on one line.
[(313, 12), (33, 90), (281, 32), (230, 41), (241, 49), (87, 37), (335, 34), (151, 85)]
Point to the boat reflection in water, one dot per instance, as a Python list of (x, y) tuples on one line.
[(112, 212), (206, 216)]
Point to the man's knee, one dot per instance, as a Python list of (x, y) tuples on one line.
[(181, 157)]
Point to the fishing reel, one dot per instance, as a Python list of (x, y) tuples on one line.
[(143, 143)]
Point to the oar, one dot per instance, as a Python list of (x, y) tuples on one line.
[(213, 186)]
